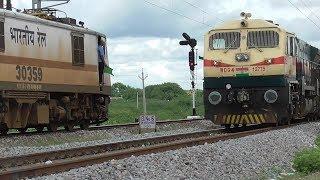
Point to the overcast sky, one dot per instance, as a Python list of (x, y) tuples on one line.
[(142, 35)]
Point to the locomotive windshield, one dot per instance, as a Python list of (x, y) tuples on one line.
[(263, 39), (225, 40)]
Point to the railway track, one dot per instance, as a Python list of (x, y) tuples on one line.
[(38, 164), (93, 128), (97, 149)]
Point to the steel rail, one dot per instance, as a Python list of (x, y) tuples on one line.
[(93, 128), (42, 157), (67, 164), (137, 124)]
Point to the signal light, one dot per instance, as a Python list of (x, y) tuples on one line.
[(188, 41), (191, 60), (192, 43)]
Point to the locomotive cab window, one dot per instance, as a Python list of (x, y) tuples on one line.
[(78, 49), (225, 40), (2, 44), (263, 39)]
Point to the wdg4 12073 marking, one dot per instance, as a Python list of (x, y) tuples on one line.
[(243, 69)]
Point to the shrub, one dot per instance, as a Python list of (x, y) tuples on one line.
[(307, 161)]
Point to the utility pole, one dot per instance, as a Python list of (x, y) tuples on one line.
[(137, 99), (192, 43), (9, 5), (143, 78)]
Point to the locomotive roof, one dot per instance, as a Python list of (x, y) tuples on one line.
[(252, 23), (26, 17)]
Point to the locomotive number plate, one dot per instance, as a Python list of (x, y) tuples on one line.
[(29, 73), (242, 69), (258, 68)]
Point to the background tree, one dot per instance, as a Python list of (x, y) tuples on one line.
[(124, 91), (117, 89), (165, 91)]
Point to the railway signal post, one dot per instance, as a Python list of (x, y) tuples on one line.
[(192, 43)]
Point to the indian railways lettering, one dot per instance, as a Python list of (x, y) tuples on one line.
[(26, 37), (29, 73), (30, 87)]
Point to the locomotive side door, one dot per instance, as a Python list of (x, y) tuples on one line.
[(293, 66), (107, 70)]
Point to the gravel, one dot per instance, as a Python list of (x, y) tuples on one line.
[(243, 158), (20, 145)]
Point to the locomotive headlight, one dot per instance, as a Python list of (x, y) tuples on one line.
[(239, 57), (242, 57), (269, 61), (270, 96), (246, 57), (228, 86), (214, 97)]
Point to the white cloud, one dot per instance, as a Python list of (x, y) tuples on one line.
[(145, 49), (163, 59), (158, 72), (144, 36)]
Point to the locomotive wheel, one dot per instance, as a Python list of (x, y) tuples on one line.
[(39, 128), (53, 127), (84, 125), (227, 126), (308, 118), (314, 118), (3, 130), (69, 126)]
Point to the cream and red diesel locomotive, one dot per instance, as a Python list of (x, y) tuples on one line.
[(49, 72), (256, 72)]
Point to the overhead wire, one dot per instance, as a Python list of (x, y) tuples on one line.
[(203, 11), (176, 13), (197, 7), (305, 4), (304, 14)]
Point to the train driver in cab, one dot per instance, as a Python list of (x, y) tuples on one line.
[(101, 61)]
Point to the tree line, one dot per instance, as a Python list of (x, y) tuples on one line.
[(166, 91)]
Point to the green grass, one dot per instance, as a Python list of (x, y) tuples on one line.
[(307, 161), (306, 164), (122, 111)]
